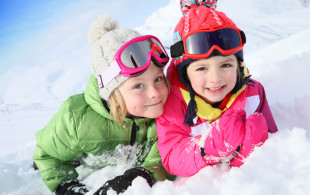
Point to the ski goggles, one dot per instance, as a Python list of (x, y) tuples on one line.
[(134, 57), (200, 44)]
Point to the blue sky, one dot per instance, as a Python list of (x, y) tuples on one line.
[(23, 22)]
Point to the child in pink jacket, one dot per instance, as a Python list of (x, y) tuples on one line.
[(215, 112)]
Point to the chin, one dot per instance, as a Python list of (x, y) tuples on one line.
[(216, 99), (156, 114)]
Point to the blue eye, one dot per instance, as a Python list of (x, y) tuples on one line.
[(158, 79), (139, 86)]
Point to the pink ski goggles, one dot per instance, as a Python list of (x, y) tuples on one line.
[(134, 57)]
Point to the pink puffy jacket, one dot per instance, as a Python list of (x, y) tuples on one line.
[(185, 150)]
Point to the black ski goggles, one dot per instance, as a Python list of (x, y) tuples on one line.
[(200, 44)]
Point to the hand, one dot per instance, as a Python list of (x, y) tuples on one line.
[(71, 187), (226, 135), (255, 135), (120, 183), (232, 126)]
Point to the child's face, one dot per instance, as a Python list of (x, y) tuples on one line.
[(213, 78), (146, 94)]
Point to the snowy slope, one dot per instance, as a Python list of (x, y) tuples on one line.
[(277, 54)]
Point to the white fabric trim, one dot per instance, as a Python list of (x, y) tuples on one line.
[(109, 74), (251, 105), (199, 129)]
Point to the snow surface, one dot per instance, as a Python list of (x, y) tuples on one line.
[(277, 54)]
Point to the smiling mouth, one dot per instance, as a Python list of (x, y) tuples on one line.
[(215, 88), (154, 104)]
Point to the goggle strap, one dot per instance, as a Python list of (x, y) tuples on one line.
[(243, 37), (109, 74), (177, 49), (157, 63)]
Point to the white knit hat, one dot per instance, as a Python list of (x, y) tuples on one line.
[(106, 38)]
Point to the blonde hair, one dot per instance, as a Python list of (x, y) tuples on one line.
[(117, 106), (118, 109)]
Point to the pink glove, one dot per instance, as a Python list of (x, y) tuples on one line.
[(226, 135), (255, 135)]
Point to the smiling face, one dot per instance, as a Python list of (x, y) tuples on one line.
[(146, 94), (213, 78)]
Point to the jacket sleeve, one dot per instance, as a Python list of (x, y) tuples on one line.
[(184, 155), (56, 147), (153, 161), (265, 110), (180, 154)]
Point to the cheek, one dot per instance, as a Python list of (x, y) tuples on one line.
[(232, 79), (134, 104), (197, 82), (165, 95), (191, 76), (165, 90), (135, 100)]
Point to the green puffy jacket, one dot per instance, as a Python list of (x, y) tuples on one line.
[(84, 128)]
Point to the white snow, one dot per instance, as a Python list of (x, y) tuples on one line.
[(277, 54)]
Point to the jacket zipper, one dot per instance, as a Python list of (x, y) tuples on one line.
[(134, 130)]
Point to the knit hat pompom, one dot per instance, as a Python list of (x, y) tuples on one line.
[(99, 27), (200, 18), (188, 4), (106, 38)]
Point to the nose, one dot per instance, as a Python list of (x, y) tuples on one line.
[(153, 91), (214, 76)]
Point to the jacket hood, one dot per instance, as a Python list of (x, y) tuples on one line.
[(93, 99)]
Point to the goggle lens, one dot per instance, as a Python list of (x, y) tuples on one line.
[(136, 55), (202, 42)]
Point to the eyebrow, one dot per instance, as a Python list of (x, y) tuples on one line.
[(229, 59), (226, 60), (138, 79)]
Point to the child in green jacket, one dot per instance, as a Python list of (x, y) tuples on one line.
[(126, 92)]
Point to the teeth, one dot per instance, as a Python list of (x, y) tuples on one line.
[(213, 89)]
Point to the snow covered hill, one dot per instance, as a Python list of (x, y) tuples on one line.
[(277, 54)]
